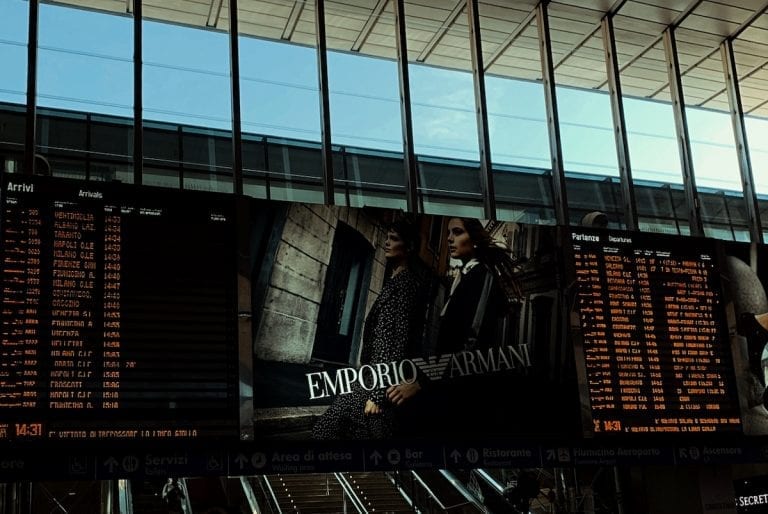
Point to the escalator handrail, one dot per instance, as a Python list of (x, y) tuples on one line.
[(350, 492), (250, 497), (456, 483), (272, 494), (428, 490), (404, 494), (489, 480)]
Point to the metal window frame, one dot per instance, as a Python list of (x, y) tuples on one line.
[(619, 123), (138, 94), (325, 103), (481, 110), (234, 65), (560, 195), (730, 73), (30, 141), (683, 137), (406, 113)]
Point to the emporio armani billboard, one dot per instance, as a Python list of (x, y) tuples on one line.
[(383, 375), (372, 324)]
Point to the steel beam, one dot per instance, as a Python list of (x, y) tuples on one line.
[(325, 103), (237, 125), (369, 24), (758, 106), (214, 13), (138, 94), (406, 116), (619, 123), (481, 110), (293, 20), (681, 127), (30, 140), (618, 4), (553, 120), (740, 136), (442, 31), (745, 76), (741, 28), (677, 21), (510, 39)]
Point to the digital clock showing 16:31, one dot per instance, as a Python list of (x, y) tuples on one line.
[(29, 429)]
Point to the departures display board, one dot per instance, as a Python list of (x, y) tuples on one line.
[(118, 312), (654, 339)]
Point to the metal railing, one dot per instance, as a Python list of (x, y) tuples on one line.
[(272, 496), (349, 492)]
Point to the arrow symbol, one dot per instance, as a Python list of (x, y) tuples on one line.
[(111, 464), (375, 457), (240, 460), (455, 455)]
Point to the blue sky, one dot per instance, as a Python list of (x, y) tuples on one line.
[(85, 65)]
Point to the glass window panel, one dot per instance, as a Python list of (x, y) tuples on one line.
[(365, 98), (713, 149), (443, 103), (659, 208), (586, 130), (757, 139), (588, 194), (186, 73), (13, 51), (85, 60), (280, 97), (584, 111), (85, 68), (517, 120), (444, 121), (652, 141)]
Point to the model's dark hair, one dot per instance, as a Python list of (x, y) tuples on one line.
[(409, 233), (496, 256)]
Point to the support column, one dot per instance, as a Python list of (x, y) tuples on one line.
[(325, 103), (740, 136), (406, 116), (553, 120), (683, 138), (619, 124), (138, 96), (30, 140), (237, 126), (481, 111)]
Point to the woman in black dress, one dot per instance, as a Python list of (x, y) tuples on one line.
[(392, 326)]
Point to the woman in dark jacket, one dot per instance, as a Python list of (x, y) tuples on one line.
[(470, 321)]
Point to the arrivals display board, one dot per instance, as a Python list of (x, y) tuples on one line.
[(118, 312), (653, 337)]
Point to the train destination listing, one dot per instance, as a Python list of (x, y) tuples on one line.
[(655, 347), (117, 314)]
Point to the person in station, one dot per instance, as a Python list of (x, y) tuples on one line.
[(481, 295), (393, 324), (173, 496)]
